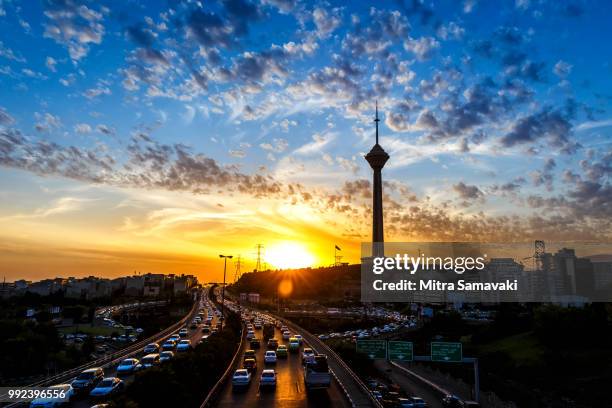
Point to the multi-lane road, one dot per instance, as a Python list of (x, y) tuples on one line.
[(195, 335), (290, 391)]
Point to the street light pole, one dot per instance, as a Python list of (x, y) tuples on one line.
[(225, 257)]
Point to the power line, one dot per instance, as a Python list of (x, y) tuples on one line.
[(237, 264), (259, 247)]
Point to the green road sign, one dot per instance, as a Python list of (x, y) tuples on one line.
[(400, 350), (375, 349), (446, 352)]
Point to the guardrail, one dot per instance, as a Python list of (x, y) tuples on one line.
[(361, 388), (434, 387)]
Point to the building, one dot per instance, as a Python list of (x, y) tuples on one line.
[(376, 158)]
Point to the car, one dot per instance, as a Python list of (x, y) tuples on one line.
[(281, 351), (169, 345), (299, 337), (452, 401), (267, 379), (151, 348), (255, 343), (273, 344), (286, 335), (206, 329), (100, 406), (128, 366), (183, 345), (193, 325), (241, 378), (87, 380), (250, 354), (308, 355), (174, 337), (106, 387), (165, 356), (250, 335), (250, 364), (270, 357), (183, 333), (150, 360), (294, 345), (411, 402), (64, 393)]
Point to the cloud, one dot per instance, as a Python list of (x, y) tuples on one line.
[(105, 130), (277, 146), (73, 24), (50, 63), (82, 128), (450, 31), (10, 54), (325, 22), (562, 69), (550, 125), (284, 6), (423, 48), (93, 93), (5, 118), (467, 192), (319, 142), (46, 122), (239, 154)]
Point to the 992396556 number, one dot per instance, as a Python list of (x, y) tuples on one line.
[(25, 394)]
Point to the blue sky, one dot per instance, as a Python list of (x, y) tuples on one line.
[(496, 114)]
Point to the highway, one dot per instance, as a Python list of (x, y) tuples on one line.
[(290, 391), (194, 335)]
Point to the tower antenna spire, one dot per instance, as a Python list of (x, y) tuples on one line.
[(376, 120)]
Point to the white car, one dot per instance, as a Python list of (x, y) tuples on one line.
[(128, 366), (308, 355), (107, 386), (299, 337), (268, 378), (270, 357), (286, 335), (184, 345), (165, 356), (64, 393), (241, 378), (150, 360), (250, 335)]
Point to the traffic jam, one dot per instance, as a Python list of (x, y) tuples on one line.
[(93, 386)]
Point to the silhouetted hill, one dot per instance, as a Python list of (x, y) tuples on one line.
[(335, 282)]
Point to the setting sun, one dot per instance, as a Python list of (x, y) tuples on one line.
[(289, 255)]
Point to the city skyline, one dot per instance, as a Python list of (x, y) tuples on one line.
[(153, 138)]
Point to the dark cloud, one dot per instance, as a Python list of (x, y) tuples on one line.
[(467, 192), (5, 118), (375, 35), (548, 125)]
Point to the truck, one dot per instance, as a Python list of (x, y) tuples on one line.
[(316, 373), (268, 331)]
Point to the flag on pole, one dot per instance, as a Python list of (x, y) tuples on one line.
[(338, 248)]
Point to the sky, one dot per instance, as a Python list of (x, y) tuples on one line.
[(153, 136)]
